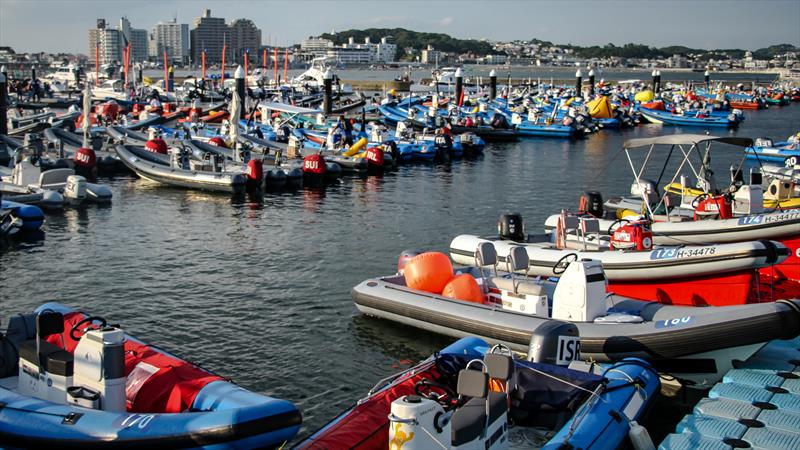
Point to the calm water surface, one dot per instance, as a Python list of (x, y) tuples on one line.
[(260, 292)]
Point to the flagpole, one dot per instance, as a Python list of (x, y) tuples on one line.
[(97, 64)]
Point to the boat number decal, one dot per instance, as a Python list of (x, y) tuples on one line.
[(676, 322), (772, 218), (138, 420), (569, 348), (676, 252), (751, 220)]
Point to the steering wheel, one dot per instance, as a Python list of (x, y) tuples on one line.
[(87, 321), (696, 201), (428, 389), (614, 225), (561, 265)]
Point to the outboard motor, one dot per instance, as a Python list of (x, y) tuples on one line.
[(282, 134), (591, 202), (75, 189), (99, 371), (443, 144), (178, 158), (34, 142), (632, 236), (511, 227), (86, 163), (580, 295), (644, 189), (763, 142), (404, 258), (555, 342), (217, 162), (499, 121)]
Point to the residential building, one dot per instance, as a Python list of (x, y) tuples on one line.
[(345, 55), (136, 37), (107, 41), (209, 33), (244, 36), (316, 46), (172, 37)]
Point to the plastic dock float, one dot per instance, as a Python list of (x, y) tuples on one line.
[(756, 405)]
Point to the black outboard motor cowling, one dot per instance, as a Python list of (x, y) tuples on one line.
[(511, 227), (591, 202), (555, 342), (282, 134)]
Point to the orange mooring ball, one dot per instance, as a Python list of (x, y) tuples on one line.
[(430, 272), (464, 287)]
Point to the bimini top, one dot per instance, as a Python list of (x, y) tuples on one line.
[(283, 107), (687, 139)]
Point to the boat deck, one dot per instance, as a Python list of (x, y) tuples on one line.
[(756, 405)]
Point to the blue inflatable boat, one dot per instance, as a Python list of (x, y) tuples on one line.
[(68, 380), (785, 152), (668, 118), (32, 216), (472, 396)]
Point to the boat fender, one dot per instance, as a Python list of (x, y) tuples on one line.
[(463, 287), (404, 258), (156, 145), (314, 165), (511, 227), (85, 162), (374, 156), (255, 173), (554, 342), (429, 272), (218, 141)]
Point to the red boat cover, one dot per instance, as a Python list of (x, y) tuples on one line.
[(366, 426), (163, 383)]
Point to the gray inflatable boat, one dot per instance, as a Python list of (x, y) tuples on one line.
[(696, 344), (157, 167)]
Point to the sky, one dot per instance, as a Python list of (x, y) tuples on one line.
[(61, 25)]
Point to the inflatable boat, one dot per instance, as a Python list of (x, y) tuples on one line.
[(697, 275), (677, 216), (70, 380), (696, 344), (667, 118), (162, 168), (70, 143), (32, 216), (783, 152), (469, 395)]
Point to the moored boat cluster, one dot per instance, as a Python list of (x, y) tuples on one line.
[(564, 336)]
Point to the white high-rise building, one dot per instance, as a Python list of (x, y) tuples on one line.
[(107, 41), (136, 37), (172, 37)]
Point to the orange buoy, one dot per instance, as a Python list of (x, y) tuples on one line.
[(429, 271), (464, 287)]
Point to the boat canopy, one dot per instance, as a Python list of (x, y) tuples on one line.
[(291, 109), (687, 139)]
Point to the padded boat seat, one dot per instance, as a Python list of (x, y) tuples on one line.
[(516, 286), (469, 420), (51, 358)]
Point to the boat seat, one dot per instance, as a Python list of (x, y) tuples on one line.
[(48, 357), (516, 286), (469, 421), (485, 255)]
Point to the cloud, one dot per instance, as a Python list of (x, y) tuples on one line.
[(447, 20)]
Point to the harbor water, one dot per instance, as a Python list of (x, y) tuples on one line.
[(258, 290)]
